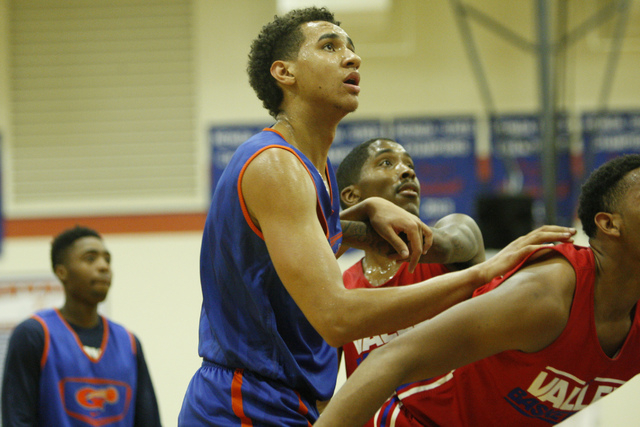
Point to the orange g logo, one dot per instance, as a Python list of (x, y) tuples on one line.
[(96, 398)]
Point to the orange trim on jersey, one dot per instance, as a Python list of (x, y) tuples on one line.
[(326, 172), (335, 239), (105, 336), (45, 351), (274, 131), (134, 347), (302, 408), (245, 211), (236, 399)]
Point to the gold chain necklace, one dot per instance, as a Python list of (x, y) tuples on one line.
[(378, 275)]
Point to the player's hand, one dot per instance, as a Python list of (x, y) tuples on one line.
[(409, 237), (509, 257)]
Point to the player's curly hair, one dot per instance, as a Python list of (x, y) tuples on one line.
[(348, 173), (63, 241), (603, 190), (279, 40)]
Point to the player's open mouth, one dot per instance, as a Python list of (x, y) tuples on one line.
[(409, 189), (353, 80)]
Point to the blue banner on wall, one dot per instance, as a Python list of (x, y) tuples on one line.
[(609, 135), (225, 140), (443, 150), (516, 156)]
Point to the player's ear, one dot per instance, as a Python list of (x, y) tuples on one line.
[(608, 223), (282, 71), (350, 195), (61, 272)]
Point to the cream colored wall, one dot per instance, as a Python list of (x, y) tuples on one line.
[(156, 285)]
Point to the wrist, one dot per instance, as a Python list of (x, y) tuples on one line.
[(357, 212), (478, 276)]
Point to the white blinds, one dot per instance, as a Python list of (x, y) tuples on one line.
[(102, 112)]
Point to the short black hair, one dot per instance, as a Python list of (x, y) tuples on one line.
[(279, 40), (63, 241), (349, 170), (603, 190)]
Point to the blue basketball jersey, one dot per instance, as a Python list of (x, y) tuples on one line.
[(77, 389), (249, 322)]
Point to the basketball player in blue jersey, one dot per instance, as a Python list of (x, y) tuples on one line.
[(274, 304), (72, 367)]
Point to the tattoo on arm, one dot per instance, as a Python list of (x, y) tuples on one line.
[(360, 235)]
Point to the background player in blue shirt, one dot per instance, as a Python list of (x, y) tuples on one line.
[(72, 366)]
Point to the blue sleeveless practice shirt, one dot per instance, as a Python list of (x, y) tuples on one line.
[(248, 319), (78, 390)]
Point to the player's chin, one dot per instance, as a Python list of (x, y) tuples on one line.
[(100, 293), (413, 207), (351, 105), (413, 210)]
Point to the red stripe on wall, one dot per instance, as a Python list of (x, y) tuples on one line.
[(106, 224)]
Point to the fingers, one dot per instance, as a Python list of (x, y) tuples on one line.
[(416, 252), (424, 240), (404, 232), (398, 244), (520, 248), (548, 234), (420, 238)]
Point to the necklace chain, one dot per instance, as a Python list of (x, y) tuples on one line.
[(377, 274)]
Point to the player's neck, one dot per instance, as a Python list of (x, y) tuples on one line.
[(313, 140), (80, 315), (617, 283)]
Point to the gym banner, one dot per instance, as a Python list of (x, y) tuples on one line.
[(225, 139), (516, 157), (443, 150), (609, 135)]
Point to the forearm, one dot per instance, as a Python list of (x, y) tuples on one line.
[(20, 386), (457, 241), (369, 312), (364, 392), (358, 212), (360, 235), (357, 232)]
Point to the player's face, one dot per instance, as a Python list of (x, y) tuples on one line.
[(389, 173), (326, 69), (86, 273)]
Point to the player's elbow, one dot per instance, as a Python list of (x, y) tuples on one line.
[(338, 328), (336, 334)]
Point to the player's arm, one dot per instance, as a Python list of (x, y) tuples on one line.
[(457, 242), (378, 224), (21, 378), (281, 200), (527, 312)]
